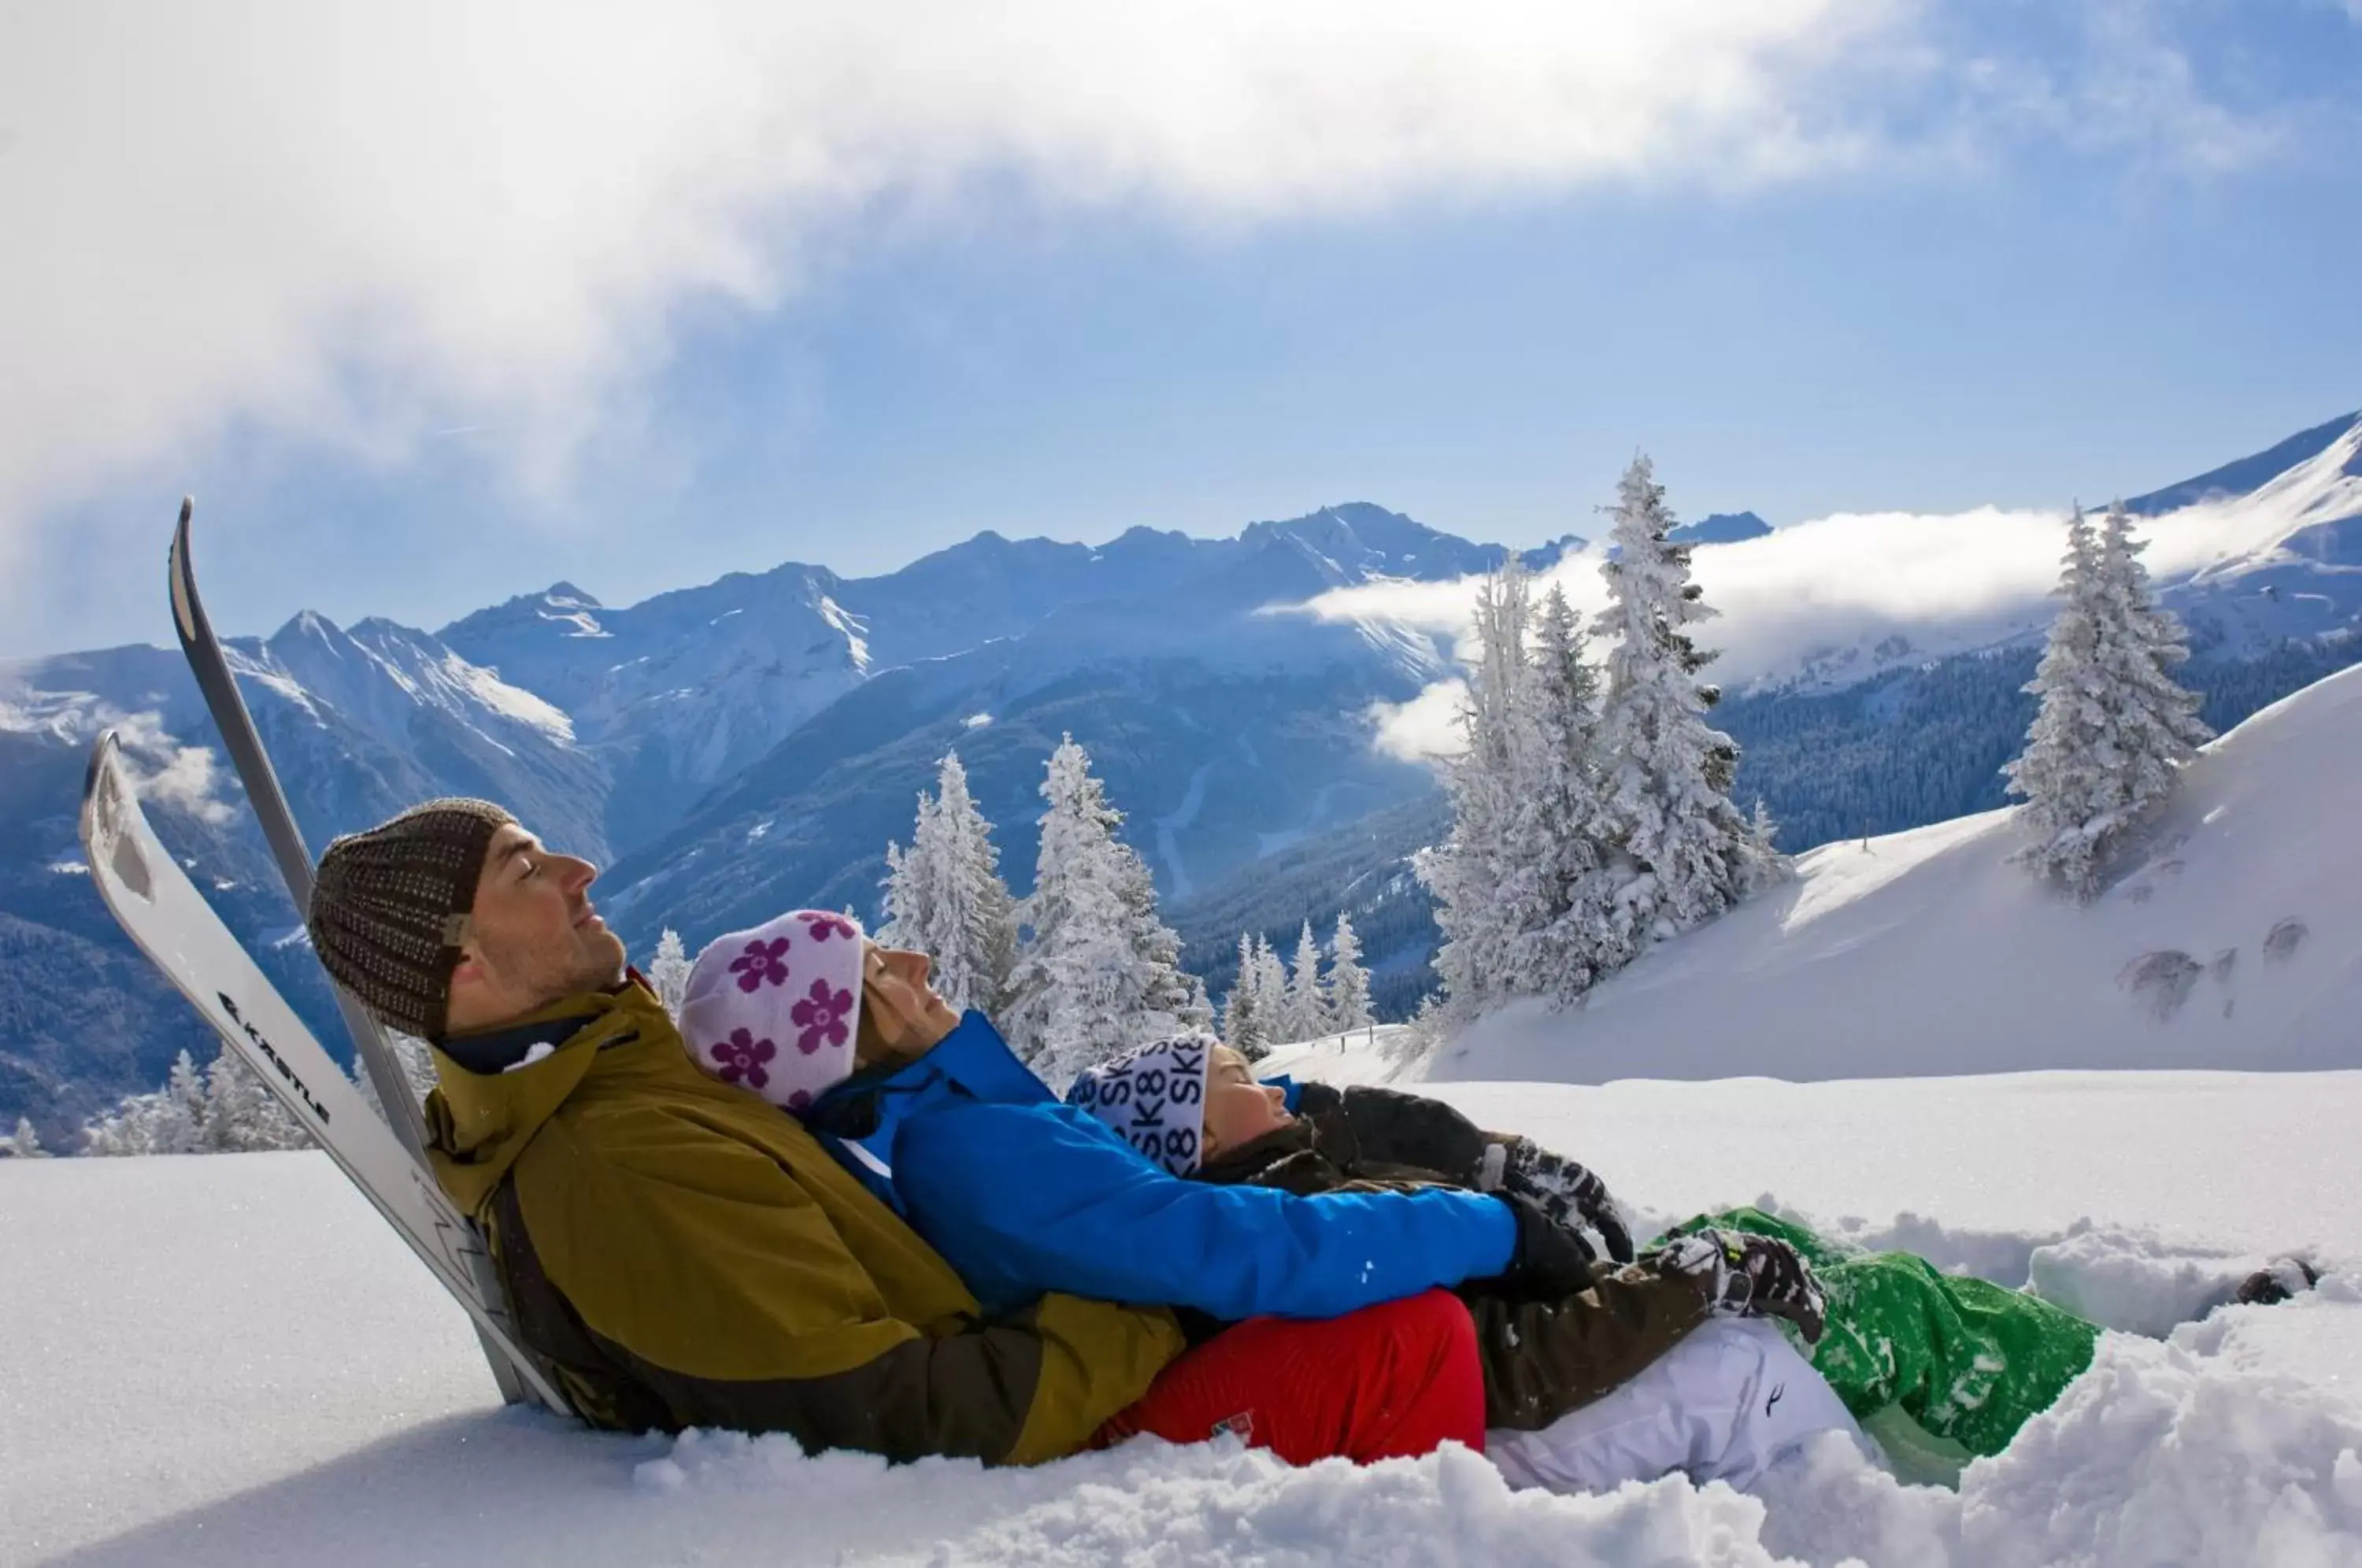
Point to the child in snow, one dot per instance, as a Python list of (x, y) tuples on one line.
[(1968, 1361), (1016, 1190)]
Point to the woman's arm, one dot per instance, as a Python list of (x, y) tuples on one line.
[(1027, 1199)]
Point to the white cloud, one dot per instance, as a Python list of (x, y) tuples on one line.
[(1426, 727), (1820, 597), (163, 769), (2132, 88), (160, 767), (366, 224)]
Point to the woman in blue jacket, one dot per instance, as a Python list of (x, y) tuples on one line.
[(1023, 1195)]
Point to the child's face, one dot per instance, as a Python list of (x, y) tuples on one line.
[(1237, 1109)]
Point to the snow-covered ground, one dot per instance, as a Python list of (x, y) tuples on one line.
[(228, 1360), (2232, 939), (1381, 1054)]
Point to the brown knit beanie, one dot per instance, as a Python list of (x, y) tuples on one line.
[(385, 907)]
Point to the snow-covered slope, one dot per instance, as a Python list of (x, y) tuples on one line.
[(229, 1361), (2232, 938)]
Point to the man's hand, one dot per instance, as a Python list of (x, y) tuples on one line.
[(1549, 1260), (1569, 1193), (1749, 1275)]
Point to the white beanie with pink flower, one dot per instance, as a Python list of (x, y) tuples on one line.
[(776, 1010)]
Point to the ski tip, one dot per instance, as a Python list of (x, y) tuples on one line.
[(187, 619), (101, 751)]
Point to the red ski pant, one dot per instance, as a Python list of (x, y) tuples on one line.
[(1389, 1381)]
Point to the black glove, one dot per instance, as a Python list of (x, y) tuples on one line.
[(1549, 1259), (1748, 1275), (1567, 1192)]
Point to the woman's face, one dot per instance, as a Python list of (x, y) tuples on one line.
[(1237, 1109), (902, 1016)]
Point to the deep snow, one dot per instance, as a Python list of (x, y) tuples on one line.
[(2231, 937), (228, 1360)]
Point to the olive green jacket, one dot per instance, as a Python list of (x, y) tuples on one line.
[(680, 1253)]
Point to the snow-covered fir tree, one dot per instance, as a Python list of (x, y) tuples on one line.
[(1693, 853), (1348, 983), (25, 1143), (1270, 992), (417, 1063), (241, 1115), (1559, 891), (1307, 997), (962, 915), (1173, 992), (1245, 1029), (900, 904), (1100, 972), (223, 1109), (2114, 728), (1771, 866), (668, 971), (1466, 871)]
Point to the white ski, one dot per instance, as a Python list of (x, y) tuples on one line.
[(165, 915), (208, 663)]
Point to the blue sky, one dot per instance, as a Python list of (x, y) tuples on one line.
[(419, 339)]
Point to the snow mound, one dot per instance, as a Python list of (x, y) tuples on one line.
[(1159, 1507), (2160, 1453), (2227, 938)]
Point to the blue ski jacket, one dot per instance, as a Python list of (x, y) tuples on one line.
[(1023, 1195)]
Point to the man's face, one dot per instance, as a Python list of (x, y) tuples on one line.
[(533, 935)]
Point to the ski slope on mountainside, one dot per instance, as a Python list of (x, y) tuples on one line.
[(2230, 937), (228, 1361)]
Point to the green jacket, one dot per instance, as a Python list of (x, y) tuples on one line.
[(682, 1253), (1542, 1356)]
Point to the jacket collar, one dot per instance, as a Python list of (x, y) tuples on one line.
[(1248, 1162), (973, 1062), (480, 1122)]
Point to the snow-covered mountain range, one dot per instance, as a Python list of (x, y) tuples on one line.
[(728, 748)]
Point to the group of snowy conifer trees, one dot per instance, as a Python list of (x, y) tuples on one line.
[(219, 1110), (224, 1108), (2114, 727), (1082, 970), (1272, 1003), (1590, 816)]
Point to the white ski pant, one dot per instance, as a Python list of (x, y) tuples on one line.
[(1720, 1405)]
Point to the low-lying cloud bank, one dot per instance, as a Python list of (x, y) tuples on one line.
[(1805, 594)]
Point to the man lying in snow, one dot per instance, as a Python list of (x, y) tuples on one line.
[(1023, 1195), (677, 1253)]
